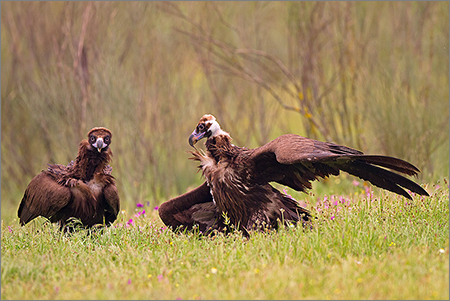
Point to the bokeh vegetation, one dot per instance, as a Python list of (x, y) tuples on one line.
[(369, 75)]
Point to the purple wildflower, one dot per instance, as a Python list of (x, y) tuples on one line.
[(129, 281), (139, 213), (139, 205), (9, 228), (335, 202), (332, 218), (148, 203), (157, 207), (130, 222), (160, 277)]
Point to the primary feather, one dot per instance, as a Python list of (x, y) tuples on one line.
[(237, 179)]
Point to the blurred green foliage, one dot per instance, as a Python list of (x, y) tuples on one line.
[(372, 76)]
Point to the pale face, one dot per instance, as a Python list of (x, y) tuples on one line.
[(99, 138), (207, 127)]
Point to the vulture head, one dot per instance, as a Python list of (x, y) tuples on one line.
[(99, 138), (207, 127)]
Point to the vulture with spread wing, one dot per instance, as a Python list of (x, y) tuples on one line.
[(237, 179), (84, 189)]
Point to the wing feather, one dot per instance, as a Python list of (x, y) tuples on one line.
[(43, 197), (295, 161), (111, 196), (190, 208)]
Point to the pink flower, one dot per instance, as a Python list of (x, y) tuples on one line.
[(332, 218), (130, 222), (9, 228), (139, 213), (156, 208), (129, 281), (355, 183), (160, 277), (139, 205)]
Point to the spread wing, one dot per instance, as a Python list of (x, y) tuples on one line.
[(295, 161), (43, 197), (195, 207)]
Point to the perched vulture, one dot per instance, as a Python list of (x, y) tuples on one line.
[(84, 189), (237, 179)]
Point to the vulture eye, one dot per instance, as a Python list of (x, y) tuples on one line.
[(107, 138), (92, 139), (200, 127)]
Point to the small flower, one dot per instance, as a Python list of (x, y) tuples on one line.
[(441, 251), (129, 281), (256, 271), (160, 277), (214, 270), (355, 183), (9, 228), (149, 276), (130, 222), (148, 203), (156, 208), (139, 205), (332, 218)]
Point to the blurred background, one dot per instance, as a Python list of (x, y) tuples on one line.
[(369, 75)]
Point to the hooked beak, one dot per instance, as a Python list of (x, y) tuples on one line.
[(194, 137), (99, 145)]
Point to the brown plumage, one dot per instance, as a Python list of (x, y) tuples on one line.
[(84, 189), (238, 178)]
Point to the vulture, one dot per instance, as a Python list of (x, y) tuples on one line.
[(237, 189), (83, 190)]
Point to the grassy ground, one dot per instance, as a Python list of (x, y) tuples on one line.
[(367, 245)]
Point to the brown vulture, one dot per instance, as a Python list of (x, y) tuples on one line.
[(84, 189), (237, 179)]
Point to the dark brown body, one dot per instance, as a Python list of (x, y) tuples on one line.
[(238, 178), (84, 189)]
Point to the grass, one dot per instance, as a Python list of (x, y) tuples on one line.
[(376, 82), (368, 245)]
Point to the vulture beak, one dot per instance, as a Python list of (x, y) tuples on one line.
[(99, 144), (194, 137)]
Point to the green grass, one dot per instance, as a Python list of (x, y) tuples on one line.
[(368, 245)]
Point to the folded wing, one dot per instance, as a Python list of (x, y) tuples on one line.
[(43, 197)]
